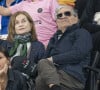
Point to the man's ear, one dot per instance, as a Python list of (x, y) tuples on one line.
[(76, 20), (76, 17)]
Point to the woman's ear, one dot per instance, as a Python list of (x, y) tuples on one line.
[(8, 61)]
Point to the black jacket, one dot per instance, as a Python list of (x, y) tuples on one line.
[(86, 19), (80, 5), (16, 81), (72, 51)]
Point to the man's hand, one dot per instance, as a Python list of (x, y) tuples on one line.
[(50, 59)]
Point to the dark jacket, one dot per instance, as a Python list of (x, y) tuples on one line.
[(86, 19), (15, 81), (80, 5), (72, 51), (36, 52)]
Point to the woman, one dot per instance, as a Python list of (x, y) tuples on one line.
[(9, 79), (42, 13), (22, 39), (4, 20)]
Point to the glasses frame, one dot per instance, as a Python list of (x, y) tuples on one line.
[(66, 13)]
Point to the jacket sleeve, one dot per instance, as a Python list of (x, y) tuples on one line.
[(23, 84), (92, 28), (80, 49), (40, 52), (20, 82)]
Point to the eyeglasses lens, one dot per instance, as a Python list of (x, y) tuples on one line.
[(67, 13), (59, 15)]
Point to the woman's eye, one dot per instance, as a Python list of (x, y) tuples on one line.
[(16, 23), (23, 21)]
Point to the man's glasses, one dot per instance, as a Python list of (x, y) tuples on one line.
[(66, 13)]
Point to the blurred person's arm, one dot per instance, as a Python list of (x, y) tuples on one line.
[(4, 11)]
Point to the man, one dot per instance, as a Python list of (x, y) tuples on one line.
[(67, 53)]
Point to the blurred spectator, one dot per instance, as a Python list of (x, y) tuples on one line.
[(80, 5), (90, 20), (9, 79), (4, 20)]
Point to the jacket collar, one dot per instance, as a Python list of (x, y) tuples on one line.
[(72, 28), (68, 30)]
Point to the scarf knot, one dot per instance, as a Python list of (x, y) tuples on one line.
[(20, 39)]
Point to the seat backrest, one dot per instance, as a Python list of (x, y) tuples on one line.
[(96, 59), (93, 73)]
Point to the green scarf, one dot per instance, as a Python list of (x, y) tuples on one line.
[(20, 39)]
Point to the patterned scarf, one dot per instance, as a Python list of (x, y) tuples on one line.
[(20, 39)]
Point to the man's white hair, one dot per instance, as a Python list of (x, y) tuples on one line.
[(73, 11)]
